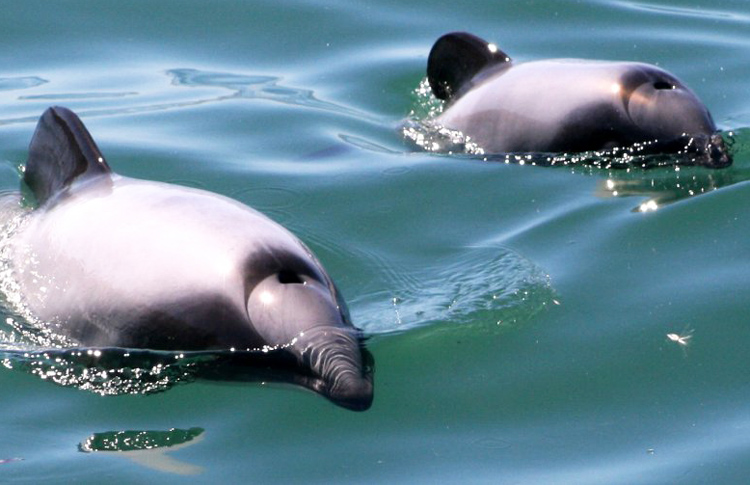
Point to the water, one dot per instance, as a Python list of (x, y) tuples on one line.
[(518, 315)]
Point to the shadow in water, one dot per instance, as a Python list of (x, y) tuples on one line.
[(147, 448)]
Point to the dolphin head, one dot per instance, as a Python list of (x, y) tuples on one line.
[(298, 309), (660, 104), (665, 110)]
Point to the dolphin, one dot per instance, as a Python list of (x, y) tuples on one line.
[(567, 105), (113, 261)]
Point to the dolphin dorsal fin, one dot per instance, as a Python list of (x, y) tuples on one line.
[(456, 58), (60, 152)]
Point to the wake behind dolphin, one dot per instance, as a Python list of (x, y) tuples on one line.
[(110, 261)]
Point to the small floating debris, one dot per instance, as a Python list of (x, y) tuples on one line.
[(681, 339)]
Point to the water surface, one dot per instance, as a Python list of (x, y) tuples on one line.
[(518, 315)]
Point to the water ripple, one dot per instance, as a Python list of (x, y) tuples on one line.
[(258, 87), (23, 82), (365, 144), (230, 86), (77, 96), (275, 202), (487, 285), (698, 12)]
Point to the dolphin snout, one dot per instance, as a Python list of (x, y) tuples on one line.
[(352, 391), (341, 363)]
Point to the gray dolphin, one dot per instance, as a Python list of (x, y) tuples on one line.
[(111, 261), (567, 105)]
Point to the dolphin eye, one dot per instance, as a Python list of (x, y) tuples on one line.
[(287, 277), (663, 85)]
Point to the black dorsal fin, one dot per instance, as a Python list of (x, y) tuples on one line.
[(61, 151), (456, 58)]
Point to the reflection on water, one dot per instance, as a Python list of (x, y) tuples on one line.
[(666, 188), (673, 184), (147, 448), (227, 86), (108, 371)]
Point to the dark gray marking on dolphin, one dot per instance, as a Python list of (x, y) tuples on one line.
[(111, 261), (567, 105)]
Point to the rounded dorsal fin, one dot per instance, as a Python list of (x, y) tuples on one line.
[(60, 152), (456, 58)]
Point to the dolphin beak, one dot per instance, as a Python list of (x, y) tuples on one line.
[(341, 365), (356, 395), (354, 391)]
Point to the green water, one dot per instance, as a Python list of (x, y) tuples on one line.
[(518, 315)]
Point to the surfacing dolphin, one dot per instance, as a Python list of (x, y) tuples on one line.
[(567, 105), (111, 261)]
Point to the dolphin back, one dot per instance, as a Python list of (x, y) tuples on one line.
[(61, 151)]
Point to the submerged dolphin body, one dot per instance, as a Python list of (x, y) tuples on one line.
[(111, 261), (567, 105)]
